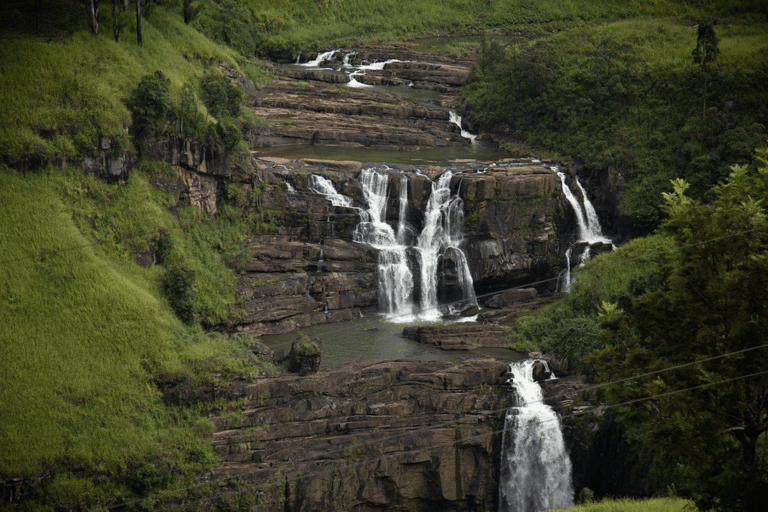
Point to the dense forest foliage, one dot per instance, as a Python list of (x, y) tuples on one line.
[(629, 98), (637, 92), (676, 327)]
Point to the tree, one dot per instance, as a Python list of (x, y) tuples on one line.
[(118, 21), (705, 54), (151, 106), (708, 319), (93, 10), (139, 40)]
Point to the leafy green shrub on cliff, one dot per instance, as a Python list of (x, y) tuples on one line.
[(151, 107), (570, 327)]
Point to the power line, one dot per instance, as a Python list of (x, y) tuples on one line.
[(350, 329), (479, 437)]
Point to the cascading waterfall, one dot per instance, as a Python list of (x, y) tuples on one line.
[(456, 119), (443, 229), (395, 278), (589, 232), (442, 232), (325, 187), (535, 467), (321, 57)]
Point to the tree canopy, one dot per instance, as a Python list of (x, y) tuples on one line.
[(702, 334)]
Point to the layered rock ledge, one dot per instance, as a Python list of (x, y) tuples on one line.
[(372, 435)]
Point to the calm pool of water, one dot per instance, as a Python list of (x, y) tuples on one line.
[(372, 337)]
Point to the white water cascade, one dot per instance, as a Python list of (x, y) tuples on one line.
[(456, 119), (535, 467), (443, 230), (440, 238), (589, 232), (395, 278), (325, 187)]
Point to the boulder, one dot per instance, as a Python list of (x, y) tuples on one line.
[(540, 371), (304, 357)]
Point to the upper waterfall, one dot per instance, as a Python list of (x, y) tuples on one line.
[(411, 262)]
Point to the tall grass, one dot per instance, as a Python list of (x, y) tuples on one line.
[(85, 334)]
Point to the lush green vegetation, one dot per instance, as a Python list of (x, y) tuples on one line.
[(689, 306), (293, 26), (627, 97), (85, 334), (57, 98), (653, 505)]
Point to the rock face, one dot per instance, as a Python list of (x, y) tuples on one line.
[(310, 270), (372, 435), (318, 113)]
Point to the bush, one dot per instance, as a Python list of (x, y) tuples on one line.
[(221, 97), (151, 106)]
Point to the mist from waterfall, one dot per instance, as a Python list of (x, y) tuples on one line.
[(535, 471)]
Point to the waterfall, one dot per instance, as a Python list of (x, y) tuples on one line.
[(576, 208), (456, 119), (443, 230), (442, 233), (535, 468), (321, 57), (589, 232), (325, 187)]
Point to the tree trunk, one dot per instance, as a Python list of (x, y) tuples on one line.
[(187, 11), (115, 21), (94, 8), (138, 22)]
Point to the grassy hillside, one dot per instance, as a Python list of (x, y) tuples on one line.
[(86, 332), (293, 26), (58, 96), (653, 505), (84, 337)]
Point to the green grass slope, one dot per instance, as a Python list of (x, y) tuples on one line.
[(651, 505), (57, 97)]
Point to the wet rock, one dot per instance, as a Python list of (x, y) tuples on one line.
[(540, 371)]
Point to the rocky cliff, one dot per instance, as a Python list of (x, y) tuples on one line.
[(372, 435), (311, 271)]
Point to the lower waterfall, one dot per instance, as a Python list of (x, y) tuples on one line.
[(535, 468)]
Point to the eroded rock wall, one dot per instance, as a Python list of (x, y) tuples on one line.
[(311, 271), (372, 435)]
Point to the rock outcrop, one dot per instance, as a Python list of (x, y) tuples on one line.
[(311, 271), (372, 435)]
